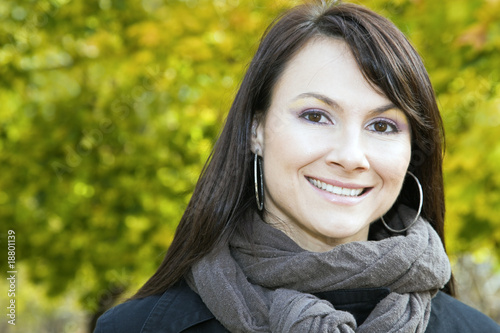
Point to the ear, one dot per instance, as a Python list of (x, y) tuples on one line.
[(257, 142)]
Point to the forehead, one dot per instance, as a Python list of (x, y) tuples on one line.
[(326, 66)]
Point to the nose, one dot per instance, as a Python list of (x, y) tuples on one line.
[(348, 152)]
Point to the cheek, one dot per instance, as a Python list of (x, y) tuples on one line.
[(282, 141), (288, 152), (392, 162), (393, 176)]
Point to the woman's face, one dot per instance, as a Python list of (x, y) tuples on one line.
[(335, 151)]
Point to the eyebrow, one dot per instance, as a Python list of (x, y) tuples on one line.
[(332, 103)]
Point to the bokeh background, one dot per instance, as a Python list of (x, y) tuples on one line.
[(109, 109)]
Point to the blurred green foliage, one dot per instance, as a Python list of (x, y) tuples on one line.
[(109, 110)]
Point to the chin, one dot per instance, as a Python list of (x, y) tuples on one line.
[(345, 235)]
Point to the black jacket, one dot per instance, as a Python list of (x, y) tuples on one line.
[(180, 309)]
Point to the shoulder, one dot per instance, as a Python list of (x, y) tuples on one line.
[(179, 309), (127, 317), (450, 315)]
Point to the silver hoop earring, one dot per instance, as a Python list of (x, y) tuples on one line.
[(258, 178), (421, 192)]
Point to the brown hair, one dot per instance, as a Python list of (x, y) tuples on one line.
[(224, 192)]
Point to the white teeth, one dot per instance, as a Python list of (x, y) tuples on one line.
[(335, 189)]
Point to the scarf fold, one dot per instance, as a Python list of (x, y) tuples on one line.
[(266, 285)]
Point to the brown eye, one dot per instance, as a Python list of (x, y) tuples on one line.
[(314, 117), (380, 127)]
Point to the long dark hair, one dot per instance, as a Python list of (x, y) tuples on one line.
[(224, 192)]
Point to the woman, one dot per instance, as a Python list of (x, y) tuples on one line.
[(322, 207)]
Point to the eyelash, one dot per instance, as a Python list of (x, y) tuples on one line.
[(392, 125)]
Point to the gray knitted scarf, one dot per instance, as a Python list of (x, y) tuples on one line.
[(266, 285)]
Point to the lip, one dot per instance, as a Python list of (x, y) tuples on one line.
[(337, 198), (338, 183)]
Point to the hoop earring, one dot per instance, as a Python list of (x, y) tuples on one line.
[(258, 178), (421, 192)]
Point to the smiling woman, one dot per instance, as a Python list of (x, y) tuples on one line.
[(333, 162), (305, 219)]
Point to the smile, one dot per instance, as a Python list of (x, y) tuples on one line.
[(347, 192)]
